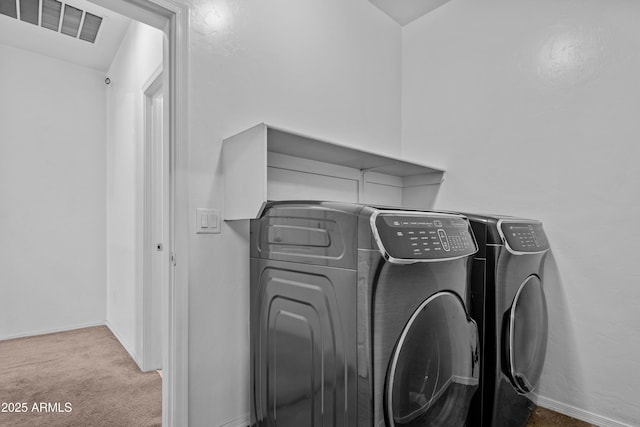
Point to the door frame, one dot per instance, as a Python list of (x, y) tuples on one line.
[(171, 17), (146, 306)]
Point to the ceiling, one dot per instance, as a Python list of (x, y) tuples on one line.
[(100, 54), (97, 55), (405, 11)]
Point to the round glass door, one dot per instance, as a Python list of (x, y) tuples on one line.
[(434, 369), (527, 332)]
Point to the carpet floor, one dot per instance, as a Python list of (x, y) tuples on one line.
[(541, 417), (86, 378), (76, 378)]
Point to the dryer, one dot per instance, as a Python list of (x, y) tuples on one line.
[(509, 304), (359, 317)]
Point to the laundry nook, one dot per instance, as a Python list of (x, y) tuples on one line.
[(319, 213)]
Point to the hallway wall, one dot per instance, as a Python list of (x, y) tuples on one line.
[(52, 194), (139, 56)]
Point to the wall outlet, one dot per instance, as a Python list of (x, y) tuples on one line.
[(207, 221)]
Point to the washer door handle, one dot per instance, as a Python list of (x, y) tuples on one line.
[(527, 330), (524, 383)]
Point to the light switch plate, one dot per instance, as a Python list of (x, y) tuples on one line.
[(207, 221)]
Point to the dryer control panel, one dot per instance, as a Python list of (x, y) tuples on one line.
[(523, 236), (419, 236)]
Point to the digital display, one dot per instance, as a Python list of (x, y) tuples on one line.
[(524, 236), (425, 236)]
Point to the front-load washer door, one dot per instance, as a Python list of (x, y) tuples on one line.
[(433, 373), (526, 335)]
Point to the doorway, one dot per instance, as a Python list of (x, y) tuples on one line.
[(172, 19), (54, 271)]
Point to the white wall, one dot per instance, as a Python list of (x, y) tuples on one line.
[(52, 194), (139, 56), (327, 68), (533, 109)]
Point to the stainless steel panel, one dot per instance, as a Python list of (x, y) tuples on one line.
[(388, 294), (434, 371), (315, 234), (303, 352), (327, 311), (505, 272)]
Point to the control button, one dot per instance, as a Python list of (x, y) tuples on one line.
[(399, 233), (437, 223), (443, 239)]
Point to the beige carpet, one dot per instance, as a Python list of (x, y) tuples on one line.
[(76, 378), (541, 417), (85, 378)]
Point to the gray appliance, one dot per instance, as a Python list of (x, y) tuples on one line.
[(509, 305), (359, 317)]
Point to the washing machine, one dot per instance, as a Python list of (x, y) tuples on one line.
[(359, 317), (508, 303)]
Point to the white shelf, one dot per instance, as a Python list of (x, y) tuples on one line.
[(267, 163)]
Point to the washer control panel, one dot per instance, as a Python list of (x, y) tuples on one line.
[(524, 236), (424, 236)]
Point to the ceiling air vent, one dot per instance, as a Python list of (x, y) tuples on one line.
[(73, 22)]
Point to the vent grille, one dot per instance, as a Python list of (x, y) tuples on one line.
[(29, 11), (51, 14), (8, 7), (90, 27), (73, 22)]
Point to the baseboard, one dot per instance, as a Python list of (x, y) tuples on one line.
[(53, 330), (123, 343), (242, 421), (577, 413)]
